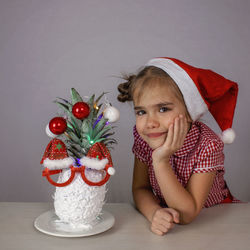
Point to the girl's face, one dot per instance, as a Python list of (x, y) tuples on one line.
[(156, 108)]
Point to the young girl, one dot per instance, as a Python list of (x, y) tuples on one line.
[(179, 161)]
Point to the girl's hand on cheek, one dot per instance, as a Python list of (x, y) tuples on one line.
[(177, 132)]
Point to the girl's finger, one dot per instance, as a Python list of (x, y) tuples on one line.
[(156, 231), (182, 125), (186, 125), (175, 215), (170, 135), (186, 128), (176, 131), (168, 226), (163, 228), (183, 129), (166, 216)]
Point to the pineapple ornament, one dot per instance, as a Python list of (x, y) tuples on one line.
[(82, 159)]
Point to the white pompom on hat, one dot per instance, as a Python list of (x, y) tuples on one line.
[(203, 90)]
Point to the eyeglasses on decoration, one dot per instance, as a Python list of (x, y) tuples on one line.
[(48, 173)]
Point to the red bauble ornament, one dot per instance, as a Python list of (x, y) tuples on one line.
[(57, 125), (81, 110)]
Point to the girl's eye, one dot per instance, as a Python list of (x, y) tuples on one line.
[(163, 109), (140, 112)]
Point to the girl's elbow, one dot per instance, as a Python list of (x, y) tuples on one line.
[(185, 220), (188, 217)]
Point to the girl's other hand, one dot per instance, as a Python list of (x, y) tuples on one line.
[(163, 220), (177, 132)]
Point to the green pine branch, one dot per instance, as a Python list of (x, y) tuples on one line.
[(82, 134)]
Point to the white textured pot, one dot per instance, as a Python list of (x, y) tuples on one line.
[(79, 204)]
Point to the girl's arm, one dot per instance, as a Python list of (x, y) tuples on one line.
[(187, 201), (145, 200), (162, 219)]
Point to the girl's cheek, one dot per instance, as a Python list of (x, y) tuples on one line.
[(139, 122), (138, 127)]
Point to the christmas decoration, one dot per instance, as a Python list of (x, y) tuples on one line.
[(80, 110), (97, 158), (56, 156), (49, 133), (81, 158), (112, 114), (57, 125)]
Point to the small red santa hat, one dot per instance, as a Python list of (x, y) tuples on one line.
[(97, 158), (56, 156), (203, 90)]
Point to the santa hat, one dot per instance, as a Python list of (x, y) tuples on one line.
[(203, 90), (98, 158), (56, 156)]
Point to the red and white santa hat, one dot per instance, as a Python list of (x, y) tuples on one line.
[(98, 158), (203, 90), (56, 156)]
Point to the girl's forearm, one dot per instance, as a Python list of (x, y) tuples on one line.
[(175, 195), (146, 202)]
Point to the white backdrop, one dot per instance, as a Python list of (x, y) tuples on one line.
[(47, 47)]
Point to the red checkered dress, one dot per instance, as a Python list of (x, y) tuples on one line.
[(202, 152)]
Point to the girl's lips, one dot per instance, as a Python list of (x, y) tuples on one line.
[(155, 135)]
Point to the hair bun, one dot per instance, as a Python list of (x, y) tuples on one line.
[(123, 98), (125, 89)]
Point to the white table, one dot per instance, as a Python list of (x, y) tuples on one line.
[(220, 227)]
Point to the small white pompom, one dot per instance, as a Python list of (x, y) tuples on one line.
[(228, 136), (112, 114), (49, 133), (111, 171)]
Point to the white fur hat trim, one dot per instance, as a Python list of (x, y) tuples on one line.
[(93, 163), (58, 164), (195, 104)]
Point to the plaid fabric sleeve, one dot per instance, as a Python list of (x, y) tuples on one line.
[(140, 148), (211, 157)]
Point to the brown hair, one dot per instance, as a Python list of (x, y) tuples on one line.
[(143, 79)]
